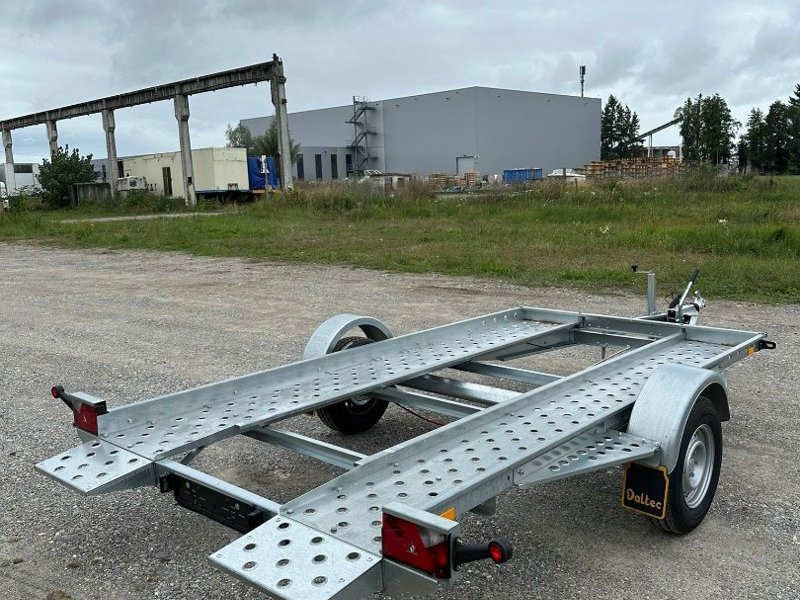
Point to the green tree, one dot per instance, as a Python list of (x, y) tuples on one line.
[(742, 154), (64, 169), (259, 145), (691, 123), (238, 137), (793, 109), (267, 144), (619, 131), (755, 140), (777, 136), (707, 128)]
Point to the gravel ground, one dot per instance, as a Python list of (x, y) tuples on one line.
[(130, 325)]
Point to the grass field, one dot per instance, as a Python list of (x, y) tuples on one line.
[(744, 234)]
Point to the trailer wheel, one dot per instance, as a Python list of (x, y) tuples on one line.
[(356, 414), (693, 481)]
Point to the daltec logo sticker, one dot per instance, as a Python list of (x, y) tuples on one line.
[(644, 490)]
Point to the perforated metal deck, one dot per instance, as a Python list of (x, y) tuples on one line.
[(172, 424), (587, 452), (97, 467), (291, 561), (473, 459)]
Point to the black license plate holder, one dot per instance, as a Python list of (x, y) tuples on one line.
[(199, 498)]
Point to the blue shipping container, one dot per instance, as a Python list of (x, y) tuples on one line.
[(512, 176)]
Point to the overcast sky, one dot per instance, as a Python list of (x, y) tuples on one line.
[(650, 55)]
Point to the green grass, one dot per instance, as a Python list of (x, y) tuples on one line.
[(743, 234)]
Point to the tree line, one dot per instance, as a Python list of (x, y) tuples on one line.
[(770, 142)]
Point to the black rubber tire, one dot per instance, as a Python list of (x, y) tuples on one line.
[(348, 417), (681, 518)]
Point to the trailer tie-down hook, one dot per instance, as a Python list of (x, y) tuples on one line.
[(499, 550)]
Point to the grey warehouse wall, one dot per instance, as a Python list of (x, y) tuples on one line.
[(527, 129), (323, 127), (425, 133), (309, 162)]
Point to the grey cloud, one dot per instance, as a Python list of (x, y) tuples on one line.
[(652, 57)]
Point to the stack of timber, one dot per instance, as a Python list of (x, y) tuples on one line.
[(472, 178), (635, 168), (439, 180), (445, 181)]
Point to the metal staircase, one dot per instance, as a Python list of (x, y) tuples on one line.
[(361, 133)]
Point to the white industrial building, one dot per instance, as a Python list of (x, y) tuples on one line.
[(469, 129), (26, 175), (215, 170)]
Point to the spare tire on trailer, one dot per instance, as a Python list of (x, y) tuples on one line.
[(356, 414)]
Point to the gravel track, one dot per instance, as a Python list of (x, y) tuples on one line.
[(130, 325)]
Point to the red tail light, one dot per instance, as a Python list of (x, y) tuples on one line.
[(500, 551), (416, 546)]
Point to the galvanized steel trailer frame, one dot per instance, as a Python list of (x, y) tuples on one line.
[(327, 542)]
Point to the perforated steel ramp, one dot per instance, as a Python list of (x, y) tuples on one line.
[(172, 424), (587, 452), (291, 561), (473, 459), (97, 467)]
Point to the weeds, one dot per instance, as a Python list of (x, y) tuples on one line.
[(742, 233)]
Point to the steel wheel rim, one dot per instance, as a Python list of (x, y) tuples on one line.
[(698, 466)]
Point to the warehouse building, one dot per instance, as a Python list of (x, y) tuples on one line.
[(470, 129)]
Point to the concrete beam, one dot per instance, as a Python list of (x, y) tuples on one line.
[(182, 115), (109, 126), (204, 83), (52, 137), (277, 85), (11, 177)]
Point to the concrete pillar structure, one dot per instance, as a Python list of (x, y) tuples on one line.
[(182, 115), (109, 126), (52, 137), (278, 88), (11, 178)]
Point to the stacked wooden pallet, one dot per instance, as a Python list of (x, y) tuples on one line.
[(635, 168), (472, 178), (444, 180), (439, 180)]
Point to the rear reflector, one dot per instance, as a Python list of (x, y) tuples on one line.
[(416, 546), (85, 409), (85, 417)]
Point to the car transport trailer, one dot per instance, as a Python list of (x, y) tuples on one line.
[(653, 402)]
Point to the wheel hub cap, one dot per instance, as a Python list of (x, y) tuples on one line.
[(698, 466)]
